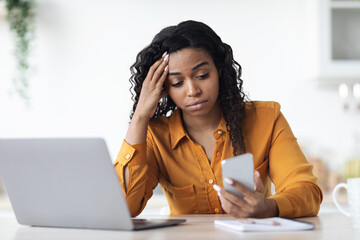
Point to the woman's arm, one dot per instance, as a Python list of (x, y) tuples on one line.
[(136, 134), (143, 174), (297, 194), (135, 162), (151, 92)]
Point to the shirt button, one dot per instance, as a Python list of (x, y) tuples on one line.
[(219, 132), (211, 181), (216, 210), (128, 156), (218, 154)]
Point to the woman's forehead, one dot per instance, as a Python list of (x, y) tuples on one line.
[(189, 58)]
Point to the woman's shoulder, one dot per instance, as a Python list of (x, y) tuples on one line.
[(159, 122), (262, 104), (263, 108), (164, 122), (260, 117)]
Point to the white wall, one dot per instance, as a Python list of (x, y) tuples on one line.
[(83, 51)]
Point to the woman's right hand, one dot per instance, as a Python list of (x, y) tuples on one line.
[(152, 88)]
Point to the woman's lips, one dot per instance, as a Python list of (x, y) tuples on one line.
[(196, 105)]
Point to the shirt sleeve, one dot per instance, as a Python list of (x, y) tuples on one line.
[(143, 174), (297, 193)]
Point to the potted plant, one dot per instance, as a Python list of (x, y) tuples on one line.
[(21, 19)]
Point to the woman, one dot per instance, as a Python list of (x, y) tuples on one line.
[(189, 114)]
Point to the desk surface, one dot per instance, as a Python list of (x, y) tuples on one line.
[(327, 226)]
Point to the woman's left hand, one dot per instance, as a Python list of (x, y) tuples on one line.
[(254, 204)]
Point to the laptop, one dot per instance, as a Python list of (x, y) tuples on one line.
[(69, 182)]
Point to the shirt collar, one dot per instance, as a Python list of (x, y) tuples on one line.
[(222, 124), (177, 131)]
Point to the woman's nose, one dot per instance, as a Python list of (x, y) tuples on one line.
[(192, 89)]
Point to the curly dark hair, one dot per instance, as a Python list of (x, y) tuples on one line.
[(192, 34)]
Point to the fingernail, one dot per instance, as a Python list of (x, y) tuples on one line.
[(257, 173), (166, 68), (164, 54), (219, 194), (166, 57), (217, 188), (229, 181)]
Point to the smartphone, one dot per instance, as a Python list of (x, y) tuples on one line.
[(240, 168)]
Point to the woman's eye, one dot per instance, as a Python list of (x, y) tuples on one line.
[(178, 84), (203, 76)]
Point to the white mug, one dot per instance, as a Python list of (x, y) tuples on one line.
[(353, 192)]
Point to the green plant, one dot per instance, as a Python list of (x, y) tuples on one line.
[(21, 19)]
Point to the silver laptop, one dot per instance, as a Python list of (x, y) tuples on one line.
[(66, 183)]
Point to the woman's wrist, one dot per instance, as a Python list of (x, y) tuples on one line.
[(137, 130), (140, 118), (272, 208)]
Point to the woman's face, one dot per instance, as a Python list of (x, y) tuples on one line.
[(193, 81)]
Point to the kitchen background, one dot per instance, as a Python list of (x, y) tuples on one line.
[(304, 54)]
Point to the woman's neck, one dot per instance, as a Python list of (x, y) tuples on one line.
[(206, 122)]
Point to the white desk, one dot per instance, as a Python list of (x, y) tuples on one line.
[(328, 226)]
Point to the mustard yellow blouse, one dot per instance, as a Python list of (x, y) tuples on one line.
[(180, 165)]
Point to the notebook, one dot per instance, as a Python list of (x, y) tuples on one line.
[(66, 183), (275, 224)]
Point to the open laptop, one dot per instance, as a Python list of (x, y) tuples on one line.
[(66, 183)]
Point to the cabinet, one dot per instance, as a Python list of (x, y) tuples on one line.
[(339, 40)]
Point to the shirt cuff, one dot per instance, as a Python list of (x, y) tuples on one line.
[(132, 155), (284, 205)]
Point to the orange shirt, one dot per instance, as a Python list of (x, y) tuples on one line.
[(180, 165)]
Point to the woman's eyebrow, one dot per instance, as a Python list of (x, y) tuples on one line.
[(194, 68), (199, 65)]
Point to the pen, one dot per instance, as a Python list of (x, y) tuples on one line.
[(259, 221)]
